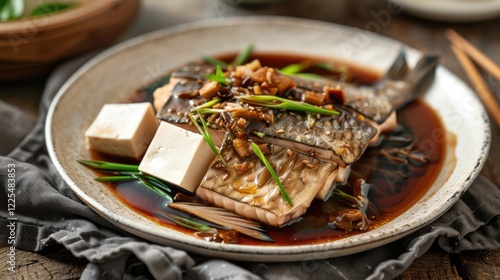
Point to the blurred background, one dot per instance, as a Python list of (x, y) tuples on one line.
[(93, 25)]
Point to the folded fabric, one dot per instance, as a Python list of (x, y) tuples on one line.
[(48, 212)]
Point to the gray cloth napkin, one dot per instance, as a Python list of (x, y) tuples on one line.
[(47, 212)]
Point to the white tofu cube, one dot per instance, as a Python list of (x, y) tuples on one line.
[(123, 130), (178, 156)]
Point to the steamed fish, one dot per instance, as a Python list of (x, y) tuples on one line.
[(246, 187)]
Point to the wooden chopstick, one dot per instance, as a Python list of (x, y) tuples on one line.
[(481, 59), (479, 84)]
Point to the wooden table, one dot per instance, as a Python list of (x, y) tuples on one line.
[(372, 15)]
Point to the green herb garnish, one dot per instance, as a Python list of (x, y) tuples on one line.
[(259, 134), (206, 135), (218, 76), (206, 105), (332, 67), (310, 76), (293, 69), (243, 55), (49, 8), (297, 68), (126, 172), (185, 222), (11, 9), (276, 102), (240, 58), (264, 160), (159, 191), (347, 198), (214, 62), (114, 179), (111, 166)]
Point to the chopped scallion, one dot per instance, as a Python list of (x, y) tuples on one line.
[(104, 165), (243, 55), (126, 172), (218, 76), (214, 62), (186, 223), (276, 102), (264, 160), (206, 135), (206, 105), (293, 69)]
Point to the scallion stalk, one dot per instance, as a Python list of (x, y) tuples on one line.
[(264, 160), (206, 135), (276, 102), (243, 55)]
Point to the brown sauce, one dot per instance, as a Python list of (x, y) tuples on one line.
[(391, 195)]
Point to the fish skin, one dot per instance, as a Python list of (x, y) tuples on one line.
[(344, 135), (365, 100), (176, 109), (188, 78), (254, 194)]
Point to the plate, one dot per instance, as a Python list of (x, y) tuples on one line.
[(113, 76), (452, 10)]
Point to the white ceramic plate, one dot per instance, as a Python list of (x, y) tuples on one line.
[(115, 74), (452, 10)]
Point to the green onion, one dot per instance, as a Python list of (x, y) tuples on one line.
[(154, 188), (347, 198), (206, 135), (206, 105), (258, 133), (111, 166), (113, 179), (214, 62), (297, 68), (243, 55), (210, 111), (156, 182), (49, 8), (240, 58), (293, 69), (332, 67), (310, 76), (275, 102), (218, 76), (127, 172), (186, 223), (259, 154)]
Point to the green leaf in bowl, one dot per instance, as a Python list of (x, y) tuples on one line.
[(49, 8), (11, 9)]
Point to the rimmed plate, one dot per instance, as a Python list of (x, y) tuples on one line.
[(452, 10), (114, 75)]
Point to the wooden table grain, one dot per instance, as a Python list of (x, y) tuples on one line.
[(371, 15)]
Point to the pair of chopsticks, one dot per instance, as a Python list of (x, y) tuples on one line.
[(464, 52)]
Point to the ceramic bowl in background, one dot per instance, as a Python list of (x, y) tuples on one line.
[(29, 47)]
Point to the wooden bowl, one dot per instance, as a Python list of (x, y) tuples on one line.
[(30, 47)]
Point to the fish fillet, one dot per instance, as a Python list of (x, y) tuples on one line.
[(247, 188)]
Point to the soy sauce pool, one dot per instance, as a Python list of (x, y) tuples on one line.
[(395, 187)]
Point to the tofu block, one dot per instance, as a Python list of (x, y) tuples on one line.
[(178, 156), (123, 130)]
